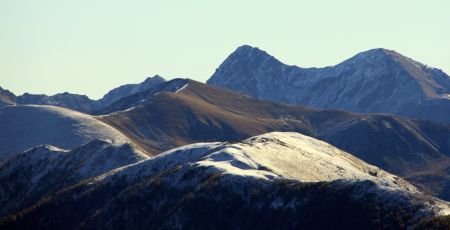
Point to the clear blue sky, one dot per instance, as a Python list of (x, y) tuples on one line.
[(91, 46)]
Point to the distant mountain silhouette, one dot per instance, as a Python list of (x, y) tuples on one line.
[(77, 102)]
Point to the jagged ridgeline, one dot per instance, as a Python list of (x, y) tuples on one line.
[(378, 80), (262, 145)]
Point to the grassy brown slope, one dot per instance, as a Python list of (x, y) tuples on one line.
[(203, 113)]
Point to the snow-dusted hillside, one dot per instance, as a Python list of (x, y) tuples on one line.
[(275, 155), (284, 179), (45, 169), (294, 156), (270, 157), (25, 126)]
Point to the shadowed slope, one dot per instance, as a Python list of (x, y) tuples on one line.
[(45, 169), (26, 126)]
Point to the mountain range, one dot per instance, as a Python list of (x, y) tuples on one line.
[(261, 145), (198, 113), (183, 111), (374, 81), (77, 102)]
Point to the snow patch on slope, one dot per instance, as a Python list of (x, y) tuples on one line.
[(175, 157), (183, 87)]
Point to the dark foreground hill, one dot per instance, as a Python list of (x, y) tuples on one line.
[(44, 170), (258, 183)]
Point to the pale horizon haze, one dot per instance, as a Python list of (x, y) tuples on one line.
[(91, 46)]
